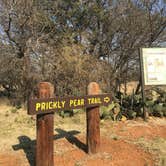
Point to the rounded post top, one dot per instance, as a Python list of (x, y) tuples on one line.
[(44, 83), (46, 90), (93, 88)]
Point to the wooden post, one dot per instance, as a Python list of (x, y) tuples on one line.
[(93, 122), (45, 129)]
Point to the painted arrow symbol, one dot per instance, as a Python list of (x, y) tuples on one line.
[(106, 99)]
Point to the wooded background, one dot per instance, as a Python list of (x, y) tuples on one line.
[(72, 42)]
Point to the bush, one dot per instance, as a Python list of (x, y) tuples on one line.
[(13, 110), (158, 110), (112, 111), (131, 106), (70, 113), (105, 112)]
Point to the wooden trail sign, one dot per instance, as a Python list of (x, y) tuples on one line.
[(46, 105)]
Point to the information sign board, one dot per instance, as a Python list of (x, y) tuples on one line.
[(154, 65)]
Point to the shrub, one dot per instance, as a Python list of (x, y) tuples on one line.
[(106, 112), (13, 110), (66, 113)]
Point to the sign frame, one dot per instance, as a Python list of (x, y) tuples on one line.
[(149, 66)]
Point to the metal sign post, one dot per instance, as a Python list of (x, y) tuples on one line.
[(142, 86)]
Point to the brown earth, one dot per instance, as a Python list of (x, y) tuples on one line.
[(112, 153), (128, 143), (135, 129), (118, 146)]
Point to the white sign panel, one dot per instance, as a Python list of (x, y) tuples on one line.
[(154, 66)]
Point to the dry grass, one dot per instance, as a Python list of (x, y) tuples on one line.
[(156, 146), (15, 123)]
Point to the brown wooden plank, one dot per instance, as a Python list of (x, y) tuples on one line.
[(44, 140), (93, 122), (46, 105)]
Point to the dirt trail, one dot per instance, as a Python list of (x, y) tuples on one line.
[(118, 146), (113, 153)]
